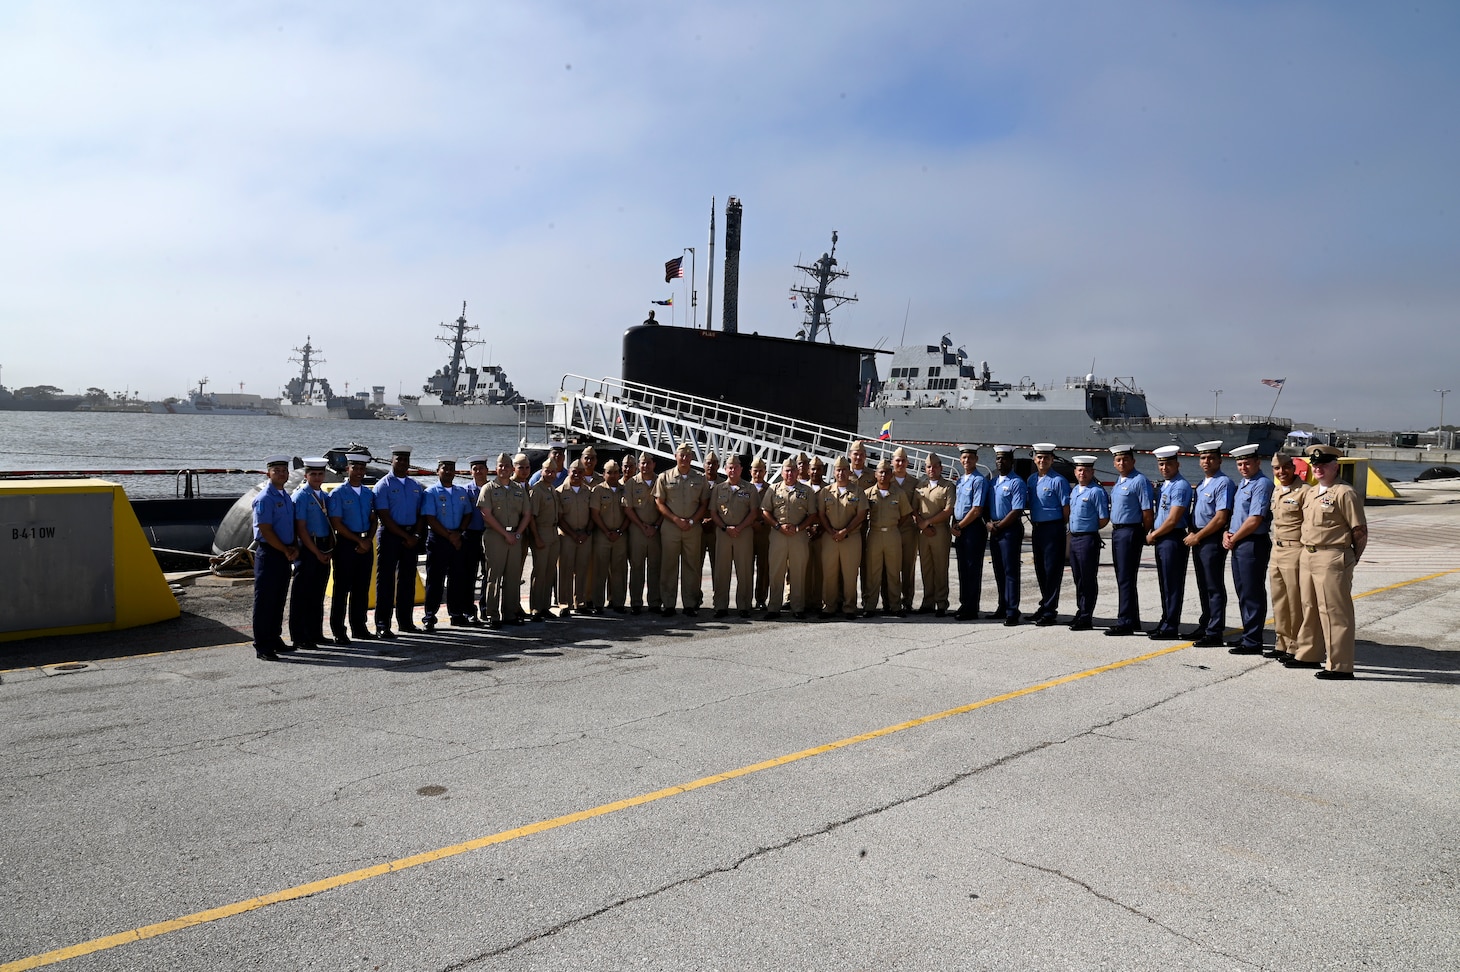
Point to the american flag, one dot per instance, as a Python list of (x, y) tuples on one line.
[(1274, 382), (673, 268)]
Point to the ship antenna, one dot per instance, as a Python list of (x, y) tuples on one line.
[(905, 315)]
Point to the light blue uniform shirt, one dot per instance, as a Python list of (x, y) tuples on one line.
[(1212, 495), (450, 505), (1131, 497), (972, 490), (1175, 492), (400, 496), (1254, 498), (535, 478), (351, 507), (274, 507), (310, 506), (1048, 497), (1088, 506), (474, 521), (1010, 494)]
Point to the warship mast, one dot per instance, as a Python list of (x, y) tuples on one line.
[(819, 300), (304, 391), (459, 342)]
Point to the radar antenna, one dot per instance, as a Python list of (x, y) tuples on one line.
[(819, 301)]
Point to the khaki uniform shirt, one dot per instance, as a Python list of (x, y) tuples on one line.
[(840, 510), (609, 501), (682, 494), (910, 486), (640, 496), (934, 498), (544, 499), (787, 504), (733, 503), (864, 480), (1329, 517), (1287, 510), (507, 503), (595, 479), (573, 507), (887, 510)]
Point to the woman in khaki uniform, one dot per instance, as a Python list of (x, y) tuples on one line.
[(546, 544), (507, 512), (734, 511), (816, 483), (762, 533), (787, 507), (1288, 495), (610, 542), (575, 555), (843, 509), (935, 540), (1335, 532), (682, 497), (889, 509), (645, 548)]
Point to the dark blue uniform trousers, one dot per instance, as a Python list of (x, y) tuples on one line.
[(352, 589), (1047, 546), (1084, 568), (1210, 565), (445, 573), (1126, 544), (1172, 555), (306, 598), (473, 559), (969, 548), (270, 591), (1249, 576), (1004, 549), (395, 580)]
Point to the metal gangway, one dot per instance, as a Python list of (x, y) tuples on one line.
[(646, 418)]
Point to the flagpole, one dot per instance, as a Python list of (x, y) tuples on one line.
[(694, 297), (1276, 397), (710, 274)]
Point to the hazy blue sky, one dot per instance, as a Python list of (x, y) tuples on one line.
[(1198, 194)]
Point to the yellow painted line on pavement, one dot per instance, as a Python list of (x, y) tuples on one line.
[(502, 837)]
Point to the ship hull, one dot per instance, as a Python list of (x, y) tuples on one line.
[(499, 415), (316, 411)]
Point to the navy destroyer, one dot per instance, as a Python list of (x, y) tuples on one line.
[(309, 396), (459, 394)]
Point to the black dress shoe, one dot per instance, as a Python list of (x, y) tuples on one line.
[(411, 629), (1081, 624), (1245, 650), (1326, 674), (850, 615), (1284, 656), (799, 615), (691, 612), (1160, 634), (901, 614), (745, 614), (1209, 641), (721, 613), (340, 641), (365, 636), (1011, 621), (773, 615), (1119, 631), (1047, 621), (962, 615), (997, 615), (634, 610), (940, 613), (1273, 653), (266, 654), (826, 615), (385, 634), (1294, 663)]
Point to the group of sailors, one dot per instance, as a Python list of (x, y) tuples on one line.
[(838, 540)]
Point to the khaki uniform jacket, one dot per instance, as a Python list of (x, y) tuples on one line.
[(840, 510), (506, 503), (787, 504), (933, 499), (887, 510), (682, 494), (909, 486), (573, 507), (864, 480), (609, 501), (544, 500), (733, 503), (640, 496), (1329, 517), (1287, 511)]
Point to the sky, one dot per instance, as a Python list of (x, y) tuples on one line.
[(1198, 195)]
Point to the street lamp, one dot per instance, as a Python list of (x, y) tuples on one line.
[(1440, 432), (1216, 403)]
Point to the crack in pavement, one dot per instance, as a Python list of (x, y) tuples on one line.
[(836, 825)]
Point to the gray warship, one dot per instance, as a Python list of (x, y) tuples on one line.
[(309, 396), (459, 394)]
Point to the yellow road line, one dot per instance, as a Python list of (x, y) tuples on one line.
[(502, 837)]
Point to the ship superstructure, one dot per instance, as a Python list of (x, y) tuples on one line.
[(309, 396)]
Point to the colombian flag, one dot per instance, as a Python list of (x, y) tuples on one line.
[(886, 432)]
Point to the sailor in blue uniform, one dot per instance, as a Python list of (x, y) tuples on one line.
[(1049, 511), (398, 508), (352, 516), (312, 569), (446, 510), (472, 552), (1089, 512), (1009, 497), (1131, 517), (556, 463), (1168, 537), (970, 531), (273, 534), (1250, 543), (1210, 514)]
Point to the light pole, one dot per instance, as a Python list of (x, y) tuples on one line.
[(1440, 432), (1216, 403)]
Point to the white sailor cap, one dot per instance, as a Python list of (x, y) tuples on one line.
[(1213, 446), (1166, 452), (279, 459), (473, 460), (968, 447), (1243, 451), (1123, 450), (316, 462), (1042, 447), (1003, 450), (1084, 460), (359, 457), (399, 450), (556, 445), (446, 461)]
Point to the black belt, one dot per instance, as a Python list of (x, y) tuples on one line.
[(1126, 526), (320, 539), (1085, 533)]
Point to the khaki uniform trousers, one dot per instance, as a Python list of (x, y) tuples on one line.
[(544, 575), (575, 561), (814, 573), (762, 548), (908, 565), (1328, 607), (708, 532), (680, 562), (884, 565), (841, 563), (933, 553), (611, 568), (504, 576), (1285, 584), (645, 554), (740, 553), (788, 557)]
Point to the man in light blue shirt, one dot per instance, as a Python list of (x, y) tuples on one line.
[(273, 534), (1249, 541), (312, 569), (1049, 511), (446, 508), (352, 516), (1211, 512), (1169, 538), (1008, 498), (1131, 517), (398, 508), (970, 531), (1089, 512)]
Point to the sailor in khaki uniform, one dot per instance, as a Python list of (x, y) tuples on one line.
[(507, 511), (890, 508), (762, 534), (815, 482), (787, 507), (575, 554), (610, 542), (734, 510), (1288, 496), (546, 544), (591, 476), (860, 477), (645, 547), (931, 515), (713, 477), (842, 510), (1335, 533), (512, 592), (682, 496), (909, 482)]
